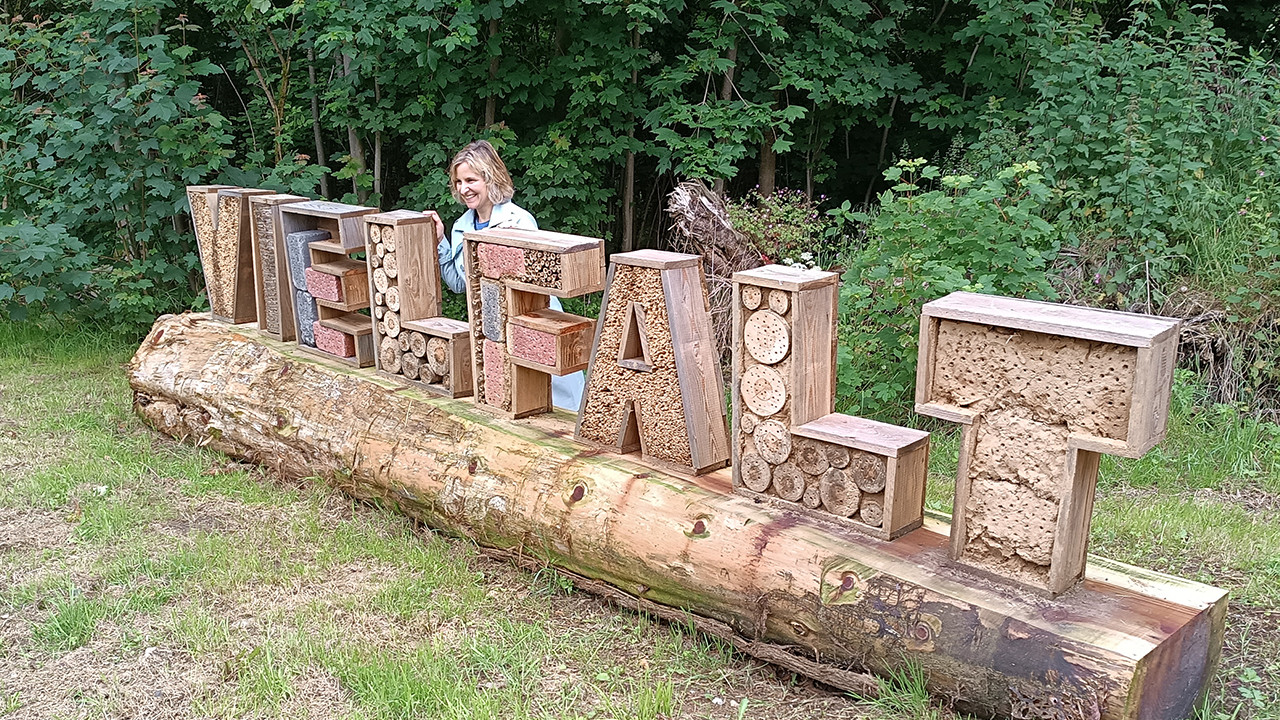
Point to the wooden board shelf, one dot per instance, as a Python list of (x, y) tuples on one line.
[(328, 246), (351, 323), (340, 268), (346, 307)]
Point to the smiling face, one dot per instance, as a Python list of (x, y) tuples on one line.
[(473, 190)]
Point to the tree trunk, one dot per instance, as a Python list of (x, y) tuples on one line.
[(356, 148), (377, 146), (726, 94), (768, 164), (629, 181), (491, 104), (315, 120), (817, 598)]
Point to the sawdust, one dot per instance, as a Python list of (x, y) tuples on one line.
[(657, 393)]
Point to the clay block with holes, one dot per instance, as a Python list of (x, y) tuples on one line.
[(334, 342), (552, 341), (1041, 390), (653, 381), (323, 286)]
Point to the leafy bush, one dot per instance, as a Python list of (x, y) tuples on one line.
[(1153, 139), (103, 124), (787, 227), (980, 236)]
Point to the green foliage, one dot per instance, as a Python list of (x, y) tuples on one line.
[(786, 227), (1153, 139), (102, 123), (979, 236)]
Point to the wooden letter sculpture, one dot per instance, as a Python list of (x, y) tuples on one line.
[(270, 276), (518, 342), (331, 288), (653, 384), (220, 214), (411, 339), (1041, 391), (788, 443)]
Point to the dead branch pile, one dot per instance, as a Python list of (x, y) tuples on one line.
[(701, 225)]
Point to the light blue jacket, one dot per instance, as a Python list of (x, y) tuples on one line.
[(566, 392)]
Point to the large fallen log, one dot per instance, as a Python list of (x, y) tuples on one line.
[(819, 598)]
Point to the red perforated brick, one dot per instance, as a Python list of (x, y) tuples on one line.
[(498, 261), (334, 342), (495, 375), (533, 345), (325, 287)]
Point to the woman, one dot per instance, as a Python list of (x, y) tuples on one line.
[(479, 179)]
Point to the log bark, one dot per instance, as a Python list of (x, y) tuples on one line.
[(812, 596)]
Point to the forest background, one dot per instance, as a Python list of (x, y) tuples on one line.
[(1117, 154)]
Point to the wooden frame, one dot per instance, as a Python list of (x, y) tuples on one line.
[(513, 273), (270, 266), (696, 368), (906, 456), (220, 214), (1152, 341), (569, 335), (344, 226)]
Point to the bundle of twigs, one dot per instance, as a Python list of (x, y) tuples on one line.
[(701, 225)]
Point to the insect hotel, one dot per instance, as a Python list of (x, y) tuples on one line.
[(811, 549)]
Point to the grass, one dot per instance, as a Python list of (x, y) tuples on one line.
[(240, 595)]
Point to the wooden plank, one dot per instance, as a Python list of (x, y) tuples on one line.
[(658, 259), (340, 268), (399, 218), (329, 247), (783, 277), (813, 351), (1139, 643), (1109, 326), (697, 365), (269, 250), (345, 306), (595, 352), (1149, 417), (904, 492), (1071, 540), (419, 270), (351, 324), (862, 434), (552, 322), (544, 240), (735, 395), (582, 272), (530, 391), (441, 327), (330, 209)]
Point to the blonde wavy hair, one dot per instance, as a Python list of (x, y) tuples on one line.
[(484, 161)]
